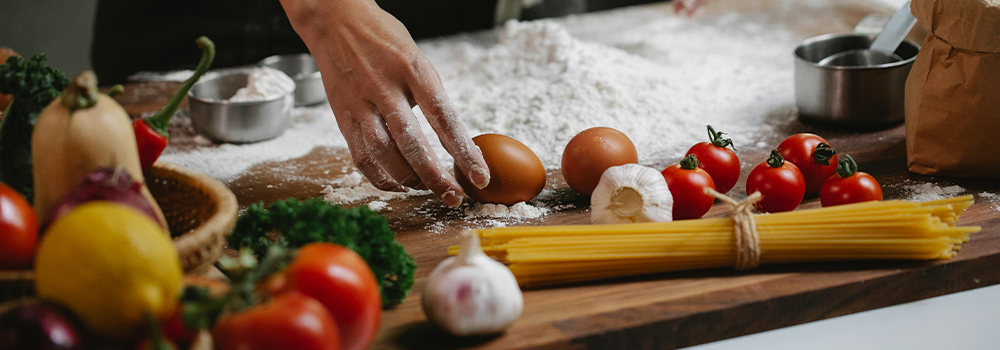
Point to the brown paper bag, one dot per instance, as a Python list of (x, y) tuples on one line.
[(953, 91)]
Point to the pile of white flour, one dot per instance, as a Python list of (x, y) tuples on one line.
[(542, 86), (660, 81), (264, 83)]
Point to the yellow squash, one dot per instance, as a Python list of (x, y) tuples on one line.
[(79, 132)]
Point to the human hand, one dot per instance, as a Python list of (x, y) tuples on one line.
[(374, 74)]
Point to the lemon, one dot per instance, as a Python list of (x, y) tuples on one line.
[(110, 265)]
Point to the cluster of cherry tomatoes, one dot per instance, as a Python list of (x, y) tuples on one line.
[(802, 164)]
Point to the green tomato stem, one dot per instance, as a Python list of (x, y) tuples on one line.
[(775, 160), (847, 167), (690, 162), (823, 153)]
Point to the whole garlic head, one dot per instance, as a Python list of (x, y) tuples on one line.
[(631, 193), (472, 294)]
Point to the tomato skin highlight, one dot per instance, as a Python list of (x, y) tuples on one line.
[(849, 186), (288, 321), (18, 230), (688, 189), (799, 149), (720, 162), (782, 187), (342, 282)]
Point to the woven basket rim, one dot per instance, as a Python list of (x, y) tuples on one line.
[(200, 240)]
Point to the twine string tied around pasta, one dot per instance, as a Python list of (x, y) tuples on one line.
[(744, 228)]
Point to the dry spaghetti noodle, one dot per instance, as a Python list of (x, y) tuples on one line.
[(546, 255)]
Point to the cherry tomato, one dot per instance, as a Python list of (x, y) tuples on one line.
[(814, 157), (720, 162), (849, 186), (289, 321), (779, 182), (18, 230), (340, 280), (687, 183)]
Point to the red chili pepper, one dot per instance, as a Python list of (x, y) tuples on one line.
[(151, 133)]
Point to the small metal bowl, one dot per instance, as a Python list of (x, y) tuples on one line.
[(862, 97), (304, 71), (213, 116)]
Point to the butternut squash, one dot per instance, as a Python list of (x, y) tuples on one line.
[(80, 132)]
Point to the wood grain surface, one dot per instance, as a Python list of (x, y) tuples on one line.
[(669, 310)]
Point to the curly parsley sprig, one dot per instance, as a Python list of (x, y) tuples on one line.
[(297, 223)]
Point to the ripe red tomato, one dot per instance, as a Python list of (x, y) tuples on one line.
[(720, 162), (288, 321), (779, 182), (687, 183), (342, 281), (18, 230), (814, 157), (849, 186)]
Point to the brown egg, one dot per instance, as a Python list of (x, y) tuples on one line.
[(593, 151), (516, 173)]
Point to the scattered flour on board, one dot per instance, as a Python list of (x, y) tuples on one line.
[(922, 192), (660, 80), (379, 206), (349, 195), (520, 210), (992, 198)]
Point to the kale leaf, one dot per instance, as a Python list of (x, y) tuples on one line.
[(362, 230), (34, 85)]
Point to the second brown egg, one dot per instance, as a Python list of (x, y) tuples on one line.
[(516, 173)]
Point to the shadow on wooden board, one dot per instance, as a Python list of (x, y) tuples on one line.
[(424, 335)]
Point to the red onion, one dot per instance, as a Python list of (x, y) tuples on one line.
[(39, 326), (103, 185)]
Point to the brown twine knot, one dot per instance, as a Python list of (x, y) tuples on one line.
[(745, 228)]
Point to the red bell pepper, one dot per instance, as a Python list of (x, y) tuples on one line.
[(151, 133)]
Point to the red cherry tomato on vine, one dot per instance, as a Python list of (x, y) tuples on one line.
[(720, 162), (341, 280), (18, 230), (849, 186), (289, 321), (687, 184), (779, 182), (814, 157)]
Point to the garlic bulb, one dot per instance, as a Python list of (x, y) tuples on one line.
[(472, 294), (631, 193)]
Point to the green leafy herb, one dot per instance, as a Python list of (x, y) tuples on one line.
[(362, 230), (34, 85)]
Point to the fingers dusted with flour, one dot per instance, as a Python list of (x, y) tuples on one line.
[(374, 74), (363, 159), (426, 89), (414, 146)]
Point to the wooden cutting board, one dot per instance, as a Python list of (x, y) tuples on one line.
[(674, 309)]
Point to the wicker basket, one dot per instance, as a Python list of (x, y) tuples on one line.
[(199, 210)]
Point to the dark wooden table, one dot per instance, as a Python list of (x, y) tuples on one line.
[(675, 309)]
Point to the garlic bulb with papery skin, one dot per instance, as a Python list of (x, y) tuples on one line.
[(472, 294), (631, 193)]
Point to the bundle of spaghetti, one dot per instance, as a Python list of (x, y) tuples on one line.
[(547, 255)]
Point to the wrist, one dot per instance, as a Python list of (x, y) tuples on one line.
[(314, 18)]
